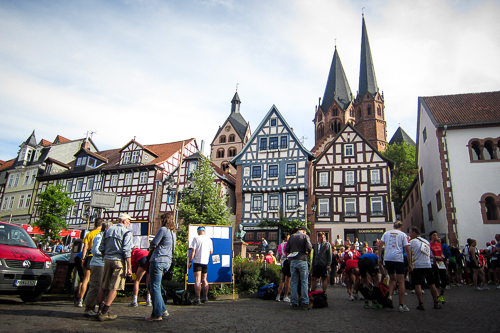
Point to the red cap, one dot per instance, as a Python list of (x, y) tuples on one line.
[(493, 242)]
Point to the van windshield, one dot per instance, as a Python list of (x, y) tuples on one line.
[(15, 236)]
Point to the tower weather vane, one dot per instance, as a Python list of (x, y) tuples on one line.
[(237, 86)]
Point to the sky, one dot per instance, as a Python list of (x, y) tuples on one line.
[(163, 71)]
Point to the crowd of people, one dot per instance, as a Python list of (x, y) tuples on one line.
[(397, 262)]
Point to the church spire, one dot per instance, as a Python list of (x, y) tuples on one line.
[(367, 79), (337, 86), (235, 103)]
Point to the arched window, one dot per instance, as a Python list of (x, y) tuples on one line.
[(488, 150), (491, 209), (369, 110), (335, 112), (225, 166), (379, 111), (476, 151), (320, 116), (220, 153), (320, 131), (231, 138), (222, 139), (335, 126), (231, 152)]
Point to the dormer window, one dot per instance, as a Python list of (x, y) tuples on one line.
[(126, 158), (135, 157), (37, 155), (92, 162), (29, 155), (22, 154), (48, 168), (81, 161)]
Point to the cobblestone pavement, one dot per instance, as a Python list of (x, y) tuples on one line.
[(465, 310)]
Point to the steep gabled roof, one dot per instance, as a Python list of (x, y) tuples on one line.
[(143, 147), (463, 109), (337, 86), (31, 140), (367, 79), (45, 143), (327, 147), (273, 109), (165, 150), (61, 139), (401, 136), (94, 155)]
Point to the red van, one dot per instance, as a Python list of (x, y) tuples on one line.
[(24, 269)]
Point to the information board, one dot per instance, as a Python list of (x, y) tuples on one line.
[(220, 266)]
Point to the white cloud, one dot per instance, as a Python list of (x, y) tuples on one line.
[(165, 71)]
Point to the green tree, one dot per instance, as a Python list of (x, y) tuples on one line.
[(53, 207), (403, 156), (283, 224)]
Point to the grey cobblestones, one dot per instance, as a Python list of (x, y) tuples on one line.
[(465, 310)]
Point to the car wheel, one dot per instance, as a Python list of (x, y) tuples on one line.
[(34, 296)]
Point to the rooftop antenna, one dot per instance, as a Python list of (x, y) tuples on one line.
[(134, 137), (303, 138), (335, 42), (92, 133), (237, 86)]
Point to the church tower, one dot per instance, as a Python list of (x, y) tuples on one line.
[(369, 103), (336, 109), (230, 138)]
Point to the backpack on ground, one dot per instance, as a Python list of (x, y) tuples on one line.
[(317, 299), (268, 292), (181, 297)]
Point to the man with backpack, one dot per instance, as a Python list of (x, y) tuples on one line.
[(421, 251), (298, 248)]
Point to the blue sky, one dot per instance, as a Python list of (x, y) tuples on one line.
[(163, 71)]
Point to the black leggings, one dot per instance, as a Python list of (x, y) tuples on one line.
[(439, 276)]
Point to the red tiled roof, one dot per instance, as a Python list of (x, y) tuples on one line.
[(61, 139), (2, 162), (7, 164), (45, 143), (465, 109), (165, 150)]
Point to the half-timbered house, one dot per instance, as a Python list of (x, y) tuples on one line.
[(351, 189), (272, 170), (137, 176)]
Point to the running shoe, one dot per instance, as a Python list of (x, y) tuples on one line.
[(438, 306), (403, 308), (286, 299), (413, 291), (89, 313), (165, 314), (366, 306), (204, 299), (351, 298), (344, 285), (305, 307), (148, 303), (79, 303), (498, 287), (441, 299), (423, 291), (478, 289), (355, 297), (105, 317), (377, 306), (421, 307), (195, 301), (486, 288), (153, 318), (278, 298), (133, 305)]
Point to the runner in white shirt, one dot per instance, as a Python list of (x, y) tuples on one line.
[(201, 248), (395, 242), (420, 254)]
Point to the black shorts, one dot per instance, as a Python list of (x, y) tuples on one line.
[(319, 272), (452, 266), (285, 268), (200, 267), (365, 265), (493, 264), (86, 262), (419, 274), (79, 268), (342, 265), (439, 276), (142, 261), (395, 267)]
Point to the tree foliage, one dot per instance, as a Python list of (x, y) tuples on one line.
[(284, 224), (404, 172), (53, 205)]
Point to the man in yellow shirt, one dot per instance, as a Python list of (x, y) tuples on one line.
[(87, 246)]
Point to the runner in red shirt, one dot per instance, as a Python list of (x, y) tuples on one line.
[(138, 258), (438, 265)]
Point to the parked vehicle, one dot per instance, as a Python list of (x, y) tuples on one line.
[(25, 270)]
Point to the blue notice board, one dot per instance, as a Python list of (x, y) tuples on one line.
[(220, 266)]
